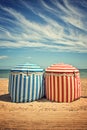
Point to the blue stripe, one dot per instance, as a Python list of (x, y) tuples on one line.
[(40, 86), (16, 88), (28, 89), (43, 87), (20, 84), (33, 87), (24, 88), (36, 87)]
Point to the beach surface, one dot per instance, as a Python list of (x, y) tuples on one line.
[(42, 114)]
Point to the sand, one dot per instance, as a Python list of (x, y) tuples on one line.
[(42, 114)]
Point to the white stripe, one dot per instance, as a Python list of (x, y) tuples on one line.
[(18, 89), (56, 89), (68, 89), (26, 90), (41, 86), (14, 88), (64, 89), (30, 98), (60, 88), (38, 86), (22, 86), (34, 87)]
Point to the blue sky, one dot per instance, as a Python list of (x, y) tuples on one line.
[(43, 32)]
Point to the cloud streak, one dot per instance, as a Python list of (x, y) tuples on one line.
[(3, 57), (63, 31)]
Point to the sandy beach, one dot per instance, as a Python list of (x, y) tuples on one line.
[(42, 114)]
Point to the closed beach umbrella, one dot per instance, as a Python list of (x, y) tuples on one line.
[(26, 83), (62, 83)]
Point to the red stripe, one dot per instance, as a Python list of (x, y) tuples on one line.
[(53, 89), (70, 89), (62, 88), (47, 87), (74, 89), (54, 86), (58, 89), (66, 89), (50, 87)]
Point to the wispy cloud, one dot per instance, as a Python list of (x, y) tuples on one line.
[(69, 34), (29, 57), (3, 57)]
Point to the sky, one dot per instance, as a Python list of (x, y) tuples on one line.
[(43, 32)]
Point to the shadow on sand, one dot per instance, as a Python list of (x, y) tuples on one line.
[(5, 98), (83, 96), (43, 100)]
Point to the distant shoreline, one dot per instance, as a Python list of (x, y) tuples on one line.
[(3, 78), (5, 73)]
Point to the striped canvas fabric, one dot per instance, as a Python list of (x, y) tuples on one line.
[(26, 83), (62, 83)]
